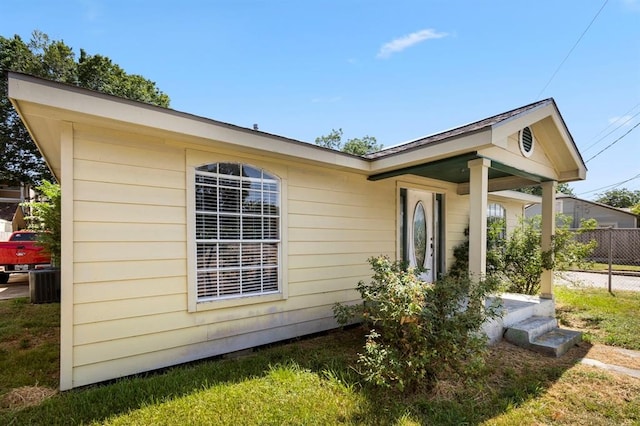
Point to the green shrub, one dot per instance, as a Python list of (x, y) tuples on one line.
[(416, 329), (524, 260), (45, 218)]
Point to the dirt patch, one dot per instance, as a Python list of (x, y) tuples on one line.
[(615, 356), (25, 396)]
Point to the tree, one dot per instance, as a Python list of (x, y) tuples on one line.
[(562, 188), (20, 160), (621, 198), (523, 260), (357, 146), (636, 209), (46, 217)]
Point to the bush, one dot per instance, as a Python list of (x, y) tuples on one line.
[(45, 218), (418, 330), (524, 259)]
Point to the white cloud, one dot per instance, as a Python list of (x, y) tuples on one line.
[(402, 43), (92, 9), (625, 120)]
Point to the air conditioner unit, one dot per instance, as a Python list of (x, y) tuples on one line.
[(44, 286)]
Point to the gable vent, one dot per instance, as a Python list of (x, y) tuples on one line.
[(526, 142)]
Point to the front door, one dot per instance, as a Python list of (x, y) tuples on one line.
[(420, 241)]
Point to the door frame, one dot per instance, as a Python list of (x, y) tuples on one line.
[(435, 215)]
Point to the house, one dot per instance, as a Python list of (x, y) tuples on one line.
[(578, 209), (12, 216), (185, 238)]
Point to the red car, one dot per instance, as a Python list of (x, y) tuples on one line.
[(20, 254)]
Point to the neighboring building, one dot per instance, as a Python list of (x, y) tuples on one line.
[(11, 212), (185, 238), (578, 209)]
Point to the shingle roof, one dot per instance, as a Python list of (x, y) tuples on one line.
[(458, 131)]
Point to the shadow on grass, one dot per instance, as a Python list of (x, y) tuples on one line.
[(511, 377)]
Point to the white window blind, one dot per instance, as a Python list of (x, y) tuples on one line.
[(237, 231)]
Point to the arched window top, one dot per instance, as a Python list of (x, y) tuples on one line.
[(496, 211), (236, 169), (497, 218)]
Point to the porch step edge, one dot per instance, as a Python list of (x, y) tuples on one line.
[(527, 331), (556, 342)]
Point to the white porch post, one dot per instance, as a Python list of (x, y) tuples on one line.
[(478, 188), (548, 231)]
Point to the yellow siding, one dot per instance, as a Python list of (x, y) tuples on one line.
[(457, 221), (130, 263)]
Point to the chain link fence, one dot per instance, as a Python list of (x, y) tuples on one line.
[(616, 260)]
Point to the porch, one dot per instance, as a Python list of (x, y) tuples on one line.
[(529, 321)]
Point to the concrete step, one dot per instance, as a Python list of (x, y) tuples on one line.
[(541, 334), (526, 331), (556, 342)]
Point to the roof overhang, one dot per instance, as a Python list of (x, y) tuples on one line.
[(456, 170), (48, 107)]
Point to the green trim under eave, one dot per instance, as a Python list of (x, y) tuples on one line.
[(456, 170), (444, 169), (517, 172)]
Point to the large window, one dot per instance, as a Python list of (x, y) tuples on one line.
[(497, 220), (237, 209)]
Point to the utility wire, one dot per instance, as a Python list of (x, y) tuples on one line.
[(612, 124), (613, 143), (621, 124), (613, 185), (572, 49)]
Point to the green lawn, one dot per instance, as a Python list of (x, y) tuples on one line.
[(29, 344), (312, 381), (611, 319), (614, 267)]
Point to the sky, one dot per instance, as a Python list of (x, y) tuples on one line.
[(396, 70)]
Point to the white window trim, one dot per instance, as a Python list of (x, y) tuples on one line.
[(195, 159), (533, 142)]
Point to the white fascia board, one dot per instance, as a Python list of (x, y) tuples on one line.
[(505, 128), (509, 126), (433, 152), (77, 102), (516, 195)]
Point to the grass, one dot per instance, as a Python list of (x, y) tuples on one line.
[(614, 267), (29, 344), (312, 381), (611, 319)]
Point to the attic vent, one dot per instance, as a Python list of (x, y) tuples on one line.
[(526, 142)]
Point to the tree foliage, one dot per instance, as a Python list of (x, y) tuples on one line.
[(357, 146), (621, 198), (20, 160), (517, 260), (45, 219), (417, 330), (562, 188), (523, 259)]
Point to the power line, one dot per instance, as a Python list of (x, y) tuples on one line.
[(613, 185), (572, 49), (613, 123), (613, 143), (621, 124)]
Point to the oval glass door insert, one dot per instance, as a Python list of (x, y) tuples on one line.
[(419, 235)]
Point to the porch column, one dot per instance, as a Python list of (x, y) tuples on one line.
[(548, 231), (478, 188)]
